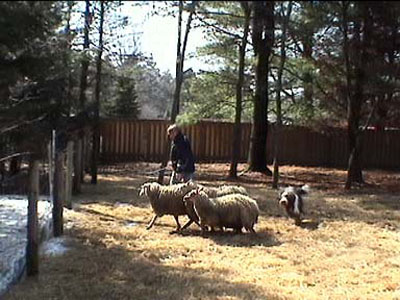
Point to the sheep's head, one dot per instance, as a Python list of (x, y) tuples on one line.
[(149, 188)]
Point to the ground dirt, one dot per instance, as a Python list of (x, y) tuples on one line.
[(348, 246)]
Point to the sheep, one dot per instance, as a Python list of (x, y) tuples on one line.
[(224, 190), (168, 200), (214, 192), (231, 211)]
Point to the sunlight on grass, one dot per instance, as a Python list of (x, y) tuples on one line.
[(348, 253)]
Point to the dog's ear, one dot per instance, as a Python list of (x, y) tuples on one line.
[(281, 189), (305, 189)]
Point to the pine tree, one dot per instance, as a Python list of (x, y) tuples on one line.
[(126, 105)]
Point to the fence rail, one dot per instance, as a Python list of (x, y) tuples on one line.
[(145, 140)]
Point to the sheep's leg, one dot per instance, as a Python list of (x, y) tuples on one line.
[(188, 223), (152, 222), (238, 230), (203, 227), (178, 226)]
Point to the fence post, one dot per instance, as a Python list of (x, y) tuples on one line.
[(32, 248)]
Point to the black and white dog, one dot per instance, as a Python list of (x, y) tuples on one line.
[(291, 198)]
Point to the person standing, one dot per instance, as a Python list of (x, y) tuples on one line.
[(181, 156)]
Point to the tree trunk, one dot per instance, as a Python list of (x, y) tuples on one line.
[(15, 165), (76, 187), (180, 57), (176, 100), (32, 247), (58, 199), (82, 90), (286, 18), (307, 41), (85, 60), (237, 134), (68, 175), (262, 36), (96, 127), (360, 60)]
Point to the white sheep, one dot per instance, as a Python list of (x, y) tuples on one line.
[(168, 200), (214, 192), (231, 211), (219, 191)]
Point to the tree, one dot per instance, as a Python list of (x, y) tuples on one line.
[(85, 61), (263, 40), (154, 89), (88, 17), (180, 58), (96, 129), (126, 105), (285, 21), (32, 84), (239, 93)]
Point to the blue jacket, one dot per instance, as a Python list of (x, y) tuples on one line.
[(182, 157)]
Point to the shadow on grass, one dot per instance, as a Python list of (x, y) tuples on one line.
[(230, 238), (93, 270), (108, 217), (382, 202)]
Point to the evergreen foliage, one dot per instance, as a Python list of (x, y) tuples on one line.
[(32, 73), (125, 104)]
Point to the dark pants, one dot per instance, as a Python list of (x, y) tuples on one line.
[(181, 177)]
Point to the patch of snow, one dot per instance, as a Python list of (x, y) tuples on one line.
[(54, 247), (122, 204), (130, 223), (13, 233)]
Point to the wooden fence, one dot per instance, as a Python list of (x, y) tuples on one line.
[(145, 140)]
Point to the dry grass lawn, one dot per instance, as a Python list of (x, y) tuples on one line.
[(347, 248)]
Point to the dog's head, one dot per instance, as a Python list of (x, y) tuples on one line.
[(291, 198)]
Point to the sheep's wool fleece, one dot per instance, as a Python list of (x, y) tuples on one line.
[(166, 199), (223, 190), (233, 210)]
